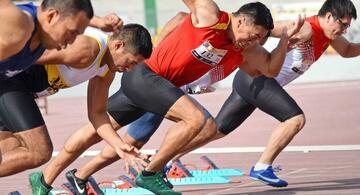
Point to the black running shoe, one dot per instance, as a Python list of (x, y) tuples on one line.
[(79, 185)]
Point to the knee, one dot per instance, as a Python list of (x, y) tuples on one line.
[(42, 154), (297, 122), (197, 121)]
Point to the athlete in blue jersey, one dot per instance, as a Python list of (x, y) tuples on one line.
[(26, 31)]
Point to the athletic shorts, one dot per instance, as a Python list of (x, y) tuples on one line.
[(142, 90), (250, 93), (144, 127), (18, 109)]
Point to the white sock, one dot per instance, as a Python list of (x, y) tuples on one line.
[(260, 166), (169, 163)]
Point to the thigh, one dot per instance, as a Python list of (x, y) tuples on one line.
[(233, 113), (18, 109), (122, 110), (150, 91), (267, 95)]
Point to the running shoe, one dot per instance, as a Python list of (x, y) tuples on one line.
[(37, 187), (268, 177), (155, 183), (78, 184)]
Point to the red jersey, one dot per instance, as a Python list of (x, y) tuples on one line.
[(319, 41), (190, 52)]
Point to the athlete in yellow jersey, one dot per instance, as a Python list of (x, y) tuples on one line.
[(96, 57)]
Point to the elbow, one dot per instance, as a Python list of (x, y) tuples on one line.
[(181, 15), (272, 73)]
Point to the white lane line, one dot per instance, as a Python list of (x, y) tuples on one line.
[(253, 182), (313, 148)]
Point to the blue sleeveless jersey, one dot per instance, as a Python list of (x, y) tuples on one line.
[(24, 58)]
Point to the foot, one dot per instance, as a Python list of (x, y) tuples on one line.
[(155, 183), (78, 184), (268, 177), (37, 187)]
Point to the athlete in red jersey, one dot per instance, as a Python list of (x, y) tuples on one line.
[(190, 52), (316, 35)]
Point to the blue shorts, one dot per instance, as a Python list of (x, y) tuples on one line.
[(144, 127)]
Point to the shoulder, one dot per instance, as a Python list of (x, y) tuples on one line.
[(86, 49), (16, 28), (205, 13)]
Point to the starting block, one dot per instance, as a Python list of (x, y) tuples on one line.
[(180, 170)]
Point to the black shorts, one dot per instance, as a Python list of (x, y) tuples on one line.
[(142, 90), (250, 93), (18, 109)]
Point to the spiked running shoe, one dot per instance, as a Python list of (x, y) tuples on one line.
[(37, 187), (79, 185), (268, 177), (155, 183)]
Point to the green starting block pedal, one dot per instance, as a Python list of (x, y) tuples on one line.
[(198, 180), (217, 173)]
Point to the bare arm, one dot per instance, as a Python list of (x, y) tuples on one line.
[(303, 35), (79, 54), (16, 28), (345, 48), (98, 91), (203, 12), (107, 23), (269, 64), (170, 26)]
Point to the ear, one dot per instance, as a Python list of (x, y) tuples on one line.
[(328, 16), (119, 44), (52, 15), (241, 21)]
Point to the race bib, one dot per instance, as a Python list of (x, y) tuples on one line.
[(208, 54)]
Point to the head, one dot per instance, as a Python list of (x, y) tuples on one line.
[(129, 46), (251, 23), (336, 16), (61, 21)]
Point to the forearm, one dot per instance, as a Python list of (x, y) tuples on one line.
[(95, 21), (353, 50), (105, 130), (277, 58)]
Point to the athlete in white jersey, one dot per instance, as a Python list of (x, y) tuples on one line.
[(62, 76), (96, 57), (264, 93)]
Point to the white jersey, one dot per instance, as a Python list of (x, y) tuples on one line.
[(62, 76), (294, 66), (299, 59)]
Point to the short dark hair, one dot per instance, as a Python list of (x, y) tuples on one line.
[(137, 39), (338, 8), (258, 12), (70, 6)]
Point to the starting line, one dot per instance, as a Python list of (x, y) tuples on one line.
[(305, 149)]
